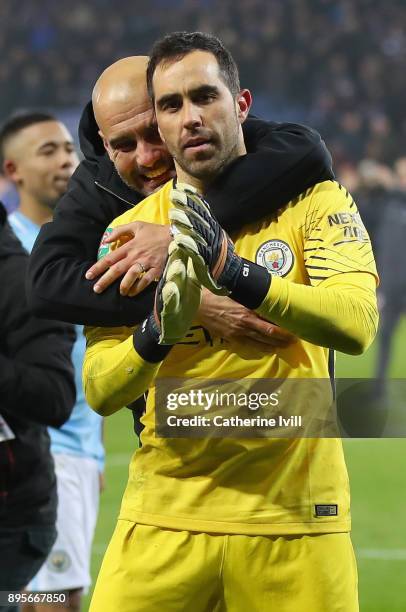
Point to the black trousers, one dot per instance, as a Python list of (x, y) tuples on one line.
[(23, 550)]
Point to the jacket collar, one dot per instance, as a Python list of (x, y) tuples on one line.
[(107, 179)]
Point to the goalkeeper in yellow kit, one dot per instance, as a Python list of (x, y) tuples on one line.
[(225, 523)]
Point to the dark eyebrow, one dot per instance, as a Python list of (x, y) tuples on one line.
[(204, 89), (198, 91), (167, 98)]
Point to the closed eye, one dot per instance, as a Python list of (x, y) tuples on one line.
[(123, 145)]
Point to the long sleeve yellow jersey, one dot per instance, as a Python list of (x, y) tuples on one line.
[(323, 289)]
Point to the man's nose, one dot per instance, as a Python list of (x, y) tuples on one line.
[(147, 155), (68, 159), (191, 116)]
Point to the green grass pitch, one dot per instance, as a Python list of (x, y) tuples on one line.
[(377, 471)]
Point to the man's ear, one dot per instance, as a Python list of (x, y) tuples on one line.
[(10, 170), (243, 101), (106, 145)]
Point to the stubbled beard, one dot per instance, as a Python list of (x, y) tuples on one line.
[(203, 172), (209, 169), (133, 187), (142, 189)]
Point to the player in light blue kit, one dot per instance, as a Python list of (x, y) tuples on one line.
[(39, 157)]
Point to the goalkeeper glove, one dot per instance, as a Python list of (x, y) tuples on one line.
[(177, 299), (217, 265)]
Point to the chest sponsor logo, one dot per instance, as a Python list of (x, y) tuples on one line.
[(352, 225), (276, 256)]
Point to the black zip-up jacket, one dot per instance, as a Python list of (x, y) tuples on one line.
[(283, 160), (37, 389)]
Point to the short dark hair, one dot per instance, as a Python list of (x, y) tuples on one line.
[(174, 47), (17, 122)]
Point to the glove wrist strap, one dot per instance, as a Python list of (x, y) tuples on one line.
[(146, 342), (252, 285), (233, 267)]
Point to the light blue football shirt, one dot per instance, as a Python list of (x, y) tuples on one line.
[(81, 435)]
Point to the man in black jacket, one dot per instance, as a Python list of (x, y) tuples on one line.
[(391, 257), (36, 390), (283, 160)]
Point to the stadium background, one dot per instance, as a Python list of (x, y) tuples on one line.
[(338, 65)]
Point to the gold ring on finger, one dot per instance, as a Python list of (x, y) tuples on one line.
[(142, 269)]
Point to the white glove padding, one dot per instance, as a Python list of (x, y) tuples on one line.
[(198, 232), (177, 296)]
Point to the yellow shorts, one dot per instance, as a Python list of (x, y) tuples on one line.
[(150, 569)]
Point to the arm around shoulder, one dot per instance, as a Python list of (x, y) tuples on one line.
[(66, 248)]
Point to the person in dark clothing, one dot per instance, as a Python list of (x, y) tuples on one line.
[(36, 390), (283, 161), (391, 258), (375, 184)]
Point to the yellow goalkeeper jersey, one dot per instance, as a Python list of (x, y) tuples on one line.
[(248, 485)]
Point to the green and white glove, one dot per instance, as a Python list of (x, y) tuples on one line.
[(217, 265), (177, 299)]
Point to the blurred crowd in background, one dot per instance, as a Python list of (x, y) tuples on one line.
[(337, 65)]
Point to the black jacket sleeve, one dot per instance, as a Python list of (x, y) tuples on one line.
[(36, 373), (283, 161), (66, 248)]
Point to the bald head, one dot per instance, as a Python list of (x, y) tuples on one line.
[(122, 83), (127, 125)]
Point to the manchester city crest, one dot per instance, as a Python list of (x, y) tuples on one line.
[(59, 561), (276, 256)]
